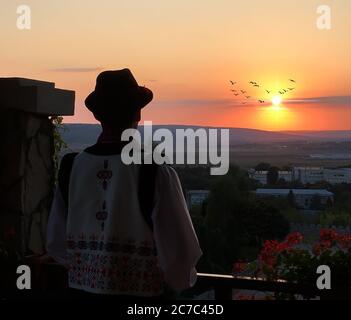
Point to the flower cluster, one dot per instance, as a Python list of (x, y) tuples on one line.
[(329, 239), (296, 262), (291, 261), (272, 248)]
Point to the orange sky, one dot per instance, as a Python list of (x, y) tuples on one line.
[(187, 51)]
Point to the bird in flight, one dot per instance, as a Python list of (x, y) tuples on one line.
[(233, 90), (268, 91), (232, 82), (236, 94), (291, 89), (256, 85), (242, 91), (292, 80), (261, 101), (253, 82), (247, 97)]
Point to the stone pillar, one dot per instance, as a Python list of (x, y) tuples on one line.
[(27, 176)]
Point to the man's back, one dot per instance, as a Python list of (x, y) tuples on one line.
[(115, 234), (111, 247)]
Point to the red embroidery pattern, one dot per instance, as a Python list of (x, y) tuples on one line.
[(102, 216), (128, 269), (105, 175)]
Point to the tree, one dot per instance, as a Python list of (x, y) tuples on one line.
[(291, 199), (236, 223), (272, 176), (316, 203), (262, 166)]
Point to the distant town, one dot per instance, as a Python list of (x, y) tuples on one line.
[(301, 176)]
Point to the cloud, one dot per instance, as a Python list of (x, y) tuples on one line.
[(331, 101), (75, 69), (228, 103), (328, 101)]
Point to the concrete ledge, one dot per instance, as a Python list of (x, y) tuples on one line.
[(35, 96)]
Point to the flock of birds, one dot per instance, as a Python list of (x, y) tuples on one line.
[(254, 84)]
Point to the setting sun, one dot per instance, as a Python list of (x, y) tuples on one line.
[(276, 100)]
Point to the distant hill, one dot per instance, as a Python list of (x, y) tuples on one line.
[(79, 136), (332, 135)]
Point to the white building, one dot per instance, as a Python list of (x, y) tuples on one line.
[(261, 176), (286, 175), (308, 174), (303, 197), (336, 176)]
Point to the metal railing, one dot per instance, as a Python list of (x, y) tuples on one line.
[(53, 277), (223, 286)]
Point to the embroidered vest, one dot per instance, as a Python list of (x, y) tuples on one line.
[(110, 245)]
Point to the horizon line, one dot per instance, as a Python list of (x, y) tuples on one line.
[(219, 127)]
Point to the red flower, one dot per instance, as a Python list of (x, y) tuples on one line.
[(326, 244), (294, 238), (283, 246), (328, 235), (268, 260), (320, 247), (270, 250), (317, 249), (344, 241)]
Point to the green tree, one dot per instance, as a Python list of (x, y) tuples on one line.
[(291, 199), (236, 223), (272, 176), (262, 166), (316, 203)]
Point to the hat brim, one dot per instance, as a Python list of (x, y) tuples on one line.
[(140, 99)]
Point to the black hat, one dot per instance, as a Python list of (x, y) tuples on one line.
[(117, 94)]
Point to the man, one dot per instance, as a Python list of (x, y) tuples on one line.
[(103, 225)]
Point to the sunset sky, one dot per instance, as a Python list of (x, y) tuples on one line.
[(188, 51)]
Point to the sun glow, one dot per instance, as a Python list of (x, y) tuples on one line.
[(276, 101), (276, 117)]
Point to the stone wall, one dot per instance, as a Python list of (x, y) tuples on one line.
[(27, 171), (26, 176)]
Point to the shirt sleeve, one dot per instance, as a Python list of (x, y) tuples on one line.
[(56, 230), (177, 245)]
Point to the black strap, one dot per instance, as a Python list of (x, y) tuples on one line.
[(65, 174), (146, 185), (146, 191)]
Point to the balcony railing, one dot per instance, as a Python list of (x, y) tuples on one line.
[(223, 286), (52, 277)]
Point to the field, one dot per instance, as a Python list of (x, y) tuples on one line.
[(325, 154)]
